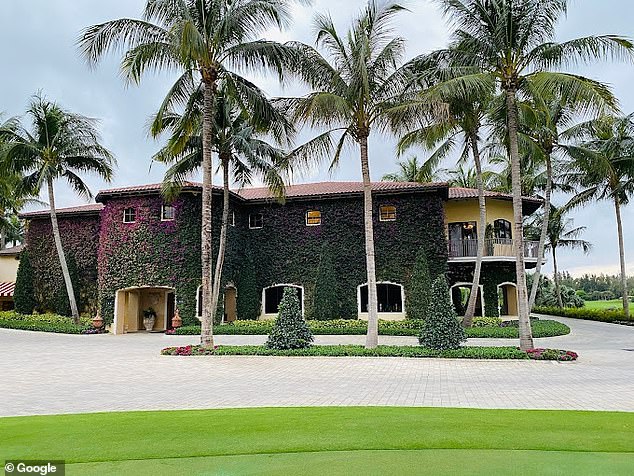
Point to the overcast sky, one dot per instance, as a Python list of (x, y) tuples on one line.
[(37, 44)]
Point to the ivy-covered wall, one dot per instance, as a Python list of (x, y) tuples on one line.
[(80, 235), (492, 275), (286, 251)]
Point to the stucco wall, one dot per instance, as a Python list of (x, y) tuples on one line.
[(8, 268), (469, 210)]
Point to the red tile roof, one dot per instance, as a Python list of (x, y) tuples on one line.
[(78, 210), (336, 188), (456, 193), (6, 289), (151, 188)]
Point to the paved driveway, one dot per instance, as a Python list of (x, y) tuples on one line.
[(54, 373)]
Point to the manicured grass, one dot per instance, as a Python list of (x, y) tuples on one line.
[(613, 304), (328, 440), (353, 351)]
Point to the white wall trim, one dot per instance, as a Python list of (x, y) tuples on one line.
[(463, 285), (403, 310), (284, 285)]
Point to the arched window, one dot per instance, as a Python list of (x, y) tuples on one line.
[(199, 302), (272, 297), (390, 297), (502, 229)]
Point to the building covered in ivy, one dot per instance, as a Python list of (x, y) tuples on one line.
[(131, 251)]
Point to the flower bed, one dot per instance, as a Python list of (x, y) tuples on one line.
[(43, 322), (352, 351), (541, 328), (552, 354)]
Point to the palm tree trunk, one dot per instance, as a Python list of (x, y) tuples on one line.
[(206, 330), (526, 335), (560, 302), (372, 337), (215, 295), (60, 253), (475, 287), (541, 250), (619, 226)]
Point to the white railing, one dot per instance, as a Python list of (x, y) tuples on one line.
[(494, 247)]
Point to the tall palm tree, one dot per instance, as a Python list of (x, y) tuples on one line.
[(411, 170), (353, 86), (561, 234), (206, 40), (603, 165), (60, 146), (512, 42), (237, 133)]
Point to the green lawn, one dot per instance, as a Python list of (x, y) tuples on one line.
[(328, 440), (613, 304)]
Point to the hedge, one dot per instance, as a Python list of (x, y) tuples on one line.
[(541, 328), (354, 351), (43, 322), (601, 315)]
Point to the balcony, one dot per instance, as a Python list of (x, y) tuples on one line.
[(495, 249)]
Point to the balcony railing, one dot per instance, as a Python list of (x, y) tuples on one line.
[(494, 247)]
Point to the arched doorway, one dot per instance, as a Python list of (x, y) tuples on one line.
[(131, 302), (460, 293), (231, 312), (507, 299)]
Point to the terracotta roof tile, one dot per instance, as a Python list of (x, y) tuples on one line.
[(460, 192), (15, 250), (334, 188), (78, 210)]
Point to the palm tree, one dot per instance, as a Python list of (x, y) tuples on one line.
[(353, 86), (603, 165), (512, 43), (236, 137), (561, 234), (204, 39), (411, 170), (61, 145)]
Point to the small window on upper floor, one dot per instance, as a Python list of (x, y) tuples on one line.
[(256, 220), (232, 218), (129, 215), (502, 229), (387, 213), (168, 213), (313, 218)]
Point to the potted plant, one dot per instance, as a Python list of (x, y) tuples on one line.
[(149, 318)]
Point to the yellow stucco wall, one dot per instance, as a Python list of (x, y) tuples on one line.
[(468, 210), (8, 268)]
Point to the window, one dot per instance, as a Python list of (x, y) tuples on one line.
[(390, 297), (502, 229), (199, 302), (232, 219), (255, 220), (273, 297), (168, 212), (387, 213), (129, 215), (313, 218)]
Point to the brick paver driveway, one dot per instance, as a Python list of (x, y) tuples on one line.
[(52, 373)]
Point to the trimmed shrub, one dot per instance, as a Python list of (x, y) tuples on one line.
[(43, 322), (24, 294), (442, 329), (248, 300), (602, 315), (487, 322), (326, 301), (290, 330), (420, 287)]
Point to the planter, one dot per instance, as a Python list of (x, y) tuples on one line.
[(97, 321), (148, 322)]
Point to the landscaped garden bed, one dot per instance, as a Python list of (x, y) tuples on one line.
[(616, 316), (44, 323), (500, 330), (359, 351)]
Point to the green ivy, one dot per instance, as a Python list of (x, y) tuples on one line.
[(24, 293)]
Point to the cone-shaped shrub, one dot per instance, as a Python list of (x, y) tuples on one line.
[(441, 329), (290, 330)]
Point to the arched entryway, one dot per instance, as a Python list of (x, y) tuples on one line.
[(460, 293), (131, 302), (272, 296), (507, 299), (229, 303), (390, 301)]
